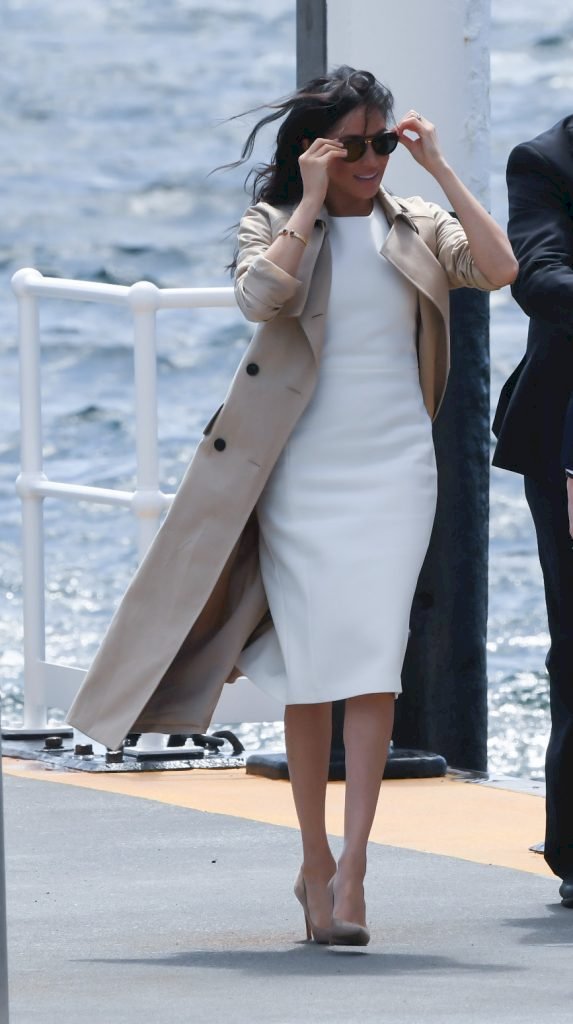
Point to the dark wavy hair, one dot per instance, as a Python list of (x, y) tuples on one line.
[(309, 113)]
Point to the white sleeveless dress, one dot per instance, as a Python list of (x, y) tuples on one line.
[(346, 515)]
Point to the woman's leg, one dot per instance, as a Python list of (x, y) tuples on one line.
[(368, 722), (308, 735)]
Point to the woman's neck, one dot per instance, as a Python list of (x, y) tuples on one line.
[(349, 207)]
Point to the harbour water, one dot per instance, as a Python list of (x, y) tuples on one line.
[(113, 114)]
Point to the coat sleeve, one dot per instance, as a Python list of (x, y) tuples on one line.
[(453, 252), (541, 233), (261, 288)]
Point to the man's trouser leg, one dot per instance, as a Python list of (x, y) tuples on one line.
[(547, 501)]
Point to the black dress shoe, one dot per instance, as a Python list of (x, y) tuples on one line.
[(566, 892)]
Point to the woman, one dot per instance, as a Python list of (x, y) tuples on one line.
[(346, 516), (312, 493)]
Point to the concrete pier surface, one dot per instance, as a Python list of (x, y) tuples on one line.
[(168, 896)]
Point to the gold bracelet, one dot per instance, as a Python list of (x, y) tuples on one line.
[(294, 234)]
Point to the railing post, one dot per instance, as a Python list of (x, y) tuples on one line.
[(35, 709), (144, 300), (4, 1008), (147, 502)]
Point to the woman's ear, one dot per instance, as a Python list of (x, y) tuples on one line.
[(305, 144)]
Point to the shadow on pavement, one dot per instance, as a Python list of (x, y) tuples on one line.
[(322, 960), (554, 930)]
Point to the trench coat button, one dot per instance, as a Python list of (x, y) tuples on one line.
[(253, 369), (220, 444)]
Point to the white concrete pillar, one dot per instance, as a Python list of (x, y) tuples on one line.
[(434, 56)]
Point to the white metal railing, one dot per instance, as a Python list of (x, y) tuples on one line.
[(48, 684)]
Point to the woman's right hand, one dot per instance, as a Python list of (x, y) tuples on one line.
[(314, 164)]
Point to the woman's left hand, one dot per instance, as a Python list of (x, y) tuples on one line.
[(489, 246), (425, 149)]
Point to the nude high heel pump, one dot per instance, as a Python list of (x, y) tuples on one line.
[(321, 935), (347, 933)]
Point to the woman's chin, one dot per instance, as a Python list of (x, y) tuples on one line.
[(368, 186)]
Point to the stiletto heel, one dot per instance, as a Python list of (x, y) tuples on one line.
[(320, 935), (346, 933)]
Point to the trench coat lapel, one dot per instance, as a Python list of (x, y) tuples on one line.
[(403, 248), (406, 251)]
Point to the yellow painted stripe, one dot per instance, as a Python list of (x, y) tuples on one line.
[(443, 816)]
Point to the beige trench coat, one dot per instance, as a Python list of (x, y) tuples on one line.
[(198, 596)]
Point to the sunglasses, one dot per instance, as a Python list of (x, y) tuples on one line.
[(383, 144)]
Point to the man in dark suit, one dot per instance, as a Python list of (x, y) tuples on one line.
[(534, 427)]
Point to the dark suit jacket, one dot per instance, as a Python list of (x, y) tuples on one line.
[(534, 417)]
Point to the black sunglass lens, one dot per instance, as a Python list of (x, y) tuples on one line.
[(355, 148), (385, 143)]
